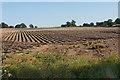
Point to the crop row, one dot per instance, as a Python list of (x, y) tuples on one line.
[(25, 36), (52, 36)]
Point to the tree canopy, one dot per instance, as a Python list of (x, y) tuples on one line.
[(31, 26), (117, 21), (4, 25), (36, 26), (18, 26), (22, 25), (69, 24), (108, 23), (11, 26)]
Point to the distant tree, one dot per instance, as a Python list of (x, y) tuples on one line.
[(3, 25), (80, 26), (11, 26), (92, 24), (109, 20), (105, 24), (23, 25), (36, 26), (63, 25), (117, 21), (110, 23), (73, 23), (31, 26), (68, 24), (86, 24), (18, 26), (99, 24), (0, 25)]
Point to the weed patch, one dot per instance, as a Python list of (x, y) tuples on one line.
[(59, 65)]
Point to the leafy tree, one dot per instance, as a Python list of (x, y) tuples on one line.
[(97, 24), (105, 24), (36, 26), (117, 21), (0, 25), (63, 25), (100, 24), (110, 23), (23, 25), (11, 26), (92, 24), (18, 26), (73, 23), (109, 20), (3, 25), (86, 24), (31, 26), (68, 24)]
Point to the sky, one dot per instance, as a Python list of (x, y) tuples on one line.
[(53, 14)]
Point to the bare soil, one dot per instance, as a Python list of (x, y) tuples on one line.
[(56, 40)]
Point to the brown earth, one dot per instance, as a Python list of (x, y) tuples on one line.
[(75, 41)]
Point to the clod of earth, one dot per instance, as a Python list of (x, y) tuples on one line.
[(99, 46), (87, 51)]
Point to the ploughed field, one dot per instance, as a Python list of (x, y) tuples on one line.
[(58, 34), (25, 38), (60, 53)]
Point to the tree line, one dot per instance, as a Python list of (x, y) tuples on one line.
[(22, 25), (108, 23)]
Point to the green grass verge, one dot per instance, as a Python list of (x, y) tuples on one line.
[(59, 65)]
